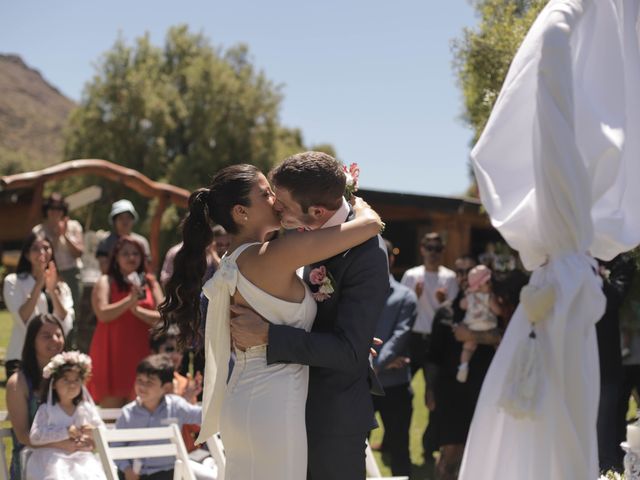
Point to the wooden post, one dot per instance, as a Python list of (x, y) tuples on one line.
[(35, 211), (155, 233)]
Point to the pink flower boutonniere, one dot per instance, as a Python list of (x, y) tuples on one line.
[(353, 174), (323, 281)]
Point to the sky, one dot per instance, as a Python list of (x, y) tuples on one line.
[(373, 78)]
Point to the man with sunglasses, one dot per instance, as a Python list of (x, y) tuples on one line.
[(434, 284)]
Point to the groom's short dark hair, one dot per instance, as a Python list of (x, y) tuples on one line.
[(312, 178)]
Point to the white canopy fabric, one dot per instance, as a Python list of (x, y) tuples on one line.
[(558, 168)]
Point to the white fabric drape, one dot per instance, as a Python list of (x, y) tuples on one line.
[(217, 345), (558, 167)]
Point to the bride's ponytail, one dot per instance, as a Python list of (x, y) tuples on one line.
[(230, 186), (181, 306)]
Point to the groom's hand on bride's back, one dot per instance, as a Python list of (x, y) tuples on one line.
[(248, 329)]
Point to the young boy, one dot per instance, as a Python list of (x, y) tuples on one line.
[(186, 387), (153, 407)]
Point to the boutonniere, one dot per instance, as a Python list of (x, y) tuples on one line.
[(353, 174), (323, 282)]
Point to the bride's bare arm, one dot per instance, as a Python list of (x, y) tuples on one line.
[(297, 249)]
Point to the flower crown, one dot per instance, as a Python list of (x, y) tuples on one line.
[(352, 173), (82, 361)]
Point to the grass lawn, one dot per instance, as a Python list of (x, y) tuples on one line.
[(5, 332)]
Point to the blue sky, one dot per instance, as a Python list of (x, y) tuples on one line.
[(372, 78)]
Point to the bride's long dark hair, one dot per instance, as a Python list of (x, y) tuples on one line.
[(212, 205)]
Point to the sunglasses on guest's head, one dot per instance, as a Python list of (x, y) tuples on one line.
[(434, 248)]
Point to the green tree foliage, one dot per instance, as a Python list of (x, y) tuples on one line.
[(483, 55), (180, 112), (177, 114)]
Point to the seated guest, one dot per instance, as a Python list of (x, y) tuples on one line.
[(393, 370), (152, 408), (185, 386), (124, 301), (123, 217), (44, 339), (64, 421), (68, 246), (34, 289)]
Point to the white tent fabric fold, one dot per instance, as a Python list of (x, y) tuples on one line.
[(558, 167)]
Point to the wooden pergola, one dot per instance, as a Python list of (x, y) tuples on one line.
[(35, 181)]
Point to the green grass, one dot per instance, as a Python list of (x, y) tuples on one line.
[(418, 424), (5, 332)]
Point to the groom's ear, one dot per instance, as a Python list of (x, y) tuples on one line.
[(317, 212)]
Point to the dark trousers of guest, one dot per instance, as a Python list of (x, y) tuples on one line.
[(162, 475), (611, 427), (418, 351), (395, 408), (419, 344)]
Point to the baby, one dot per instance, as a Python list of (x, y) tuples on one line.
[(481, 313)]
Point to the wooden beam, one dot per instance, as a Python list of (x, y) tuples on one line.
[(117, 173)]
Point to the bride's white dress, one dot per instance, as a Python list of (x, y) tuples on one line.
[(260, 412)]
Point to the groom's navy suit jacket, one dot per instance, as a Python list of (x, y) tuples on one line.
[(337, 348)]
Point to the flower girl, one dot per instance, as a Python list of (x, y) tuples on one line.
[(61, 430)]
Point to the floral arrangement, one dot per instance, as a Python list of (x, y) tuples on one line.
[(82, 361), (353, 174), (323, 282), (611, 475)]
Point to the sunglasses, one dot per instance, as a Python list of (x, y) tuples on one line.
[(434, 248), (169, 349), (462, 271)]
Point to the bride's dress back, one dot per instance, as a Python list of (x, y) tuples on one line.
[(262, 420)]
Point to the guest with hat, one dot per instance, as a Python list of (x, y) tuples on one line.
[(123, 217)]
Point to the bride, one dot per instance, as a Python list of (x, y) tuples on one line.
[(260, 411)]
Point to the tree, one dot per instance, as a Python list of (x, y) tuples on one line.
[(483, 55), (179, 113)]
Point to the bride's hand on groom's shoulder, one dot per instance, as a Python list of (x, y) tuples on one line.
[(363, 209), (248, 329)]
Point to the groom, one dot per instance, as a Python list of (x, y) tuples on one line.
[(309, 190)]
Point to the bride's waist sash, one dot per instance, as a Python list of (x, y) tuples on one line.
[(259, 351)]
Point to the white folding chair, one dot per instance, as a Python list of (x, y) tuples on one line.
[(174, 448), (216, 449), (4, 468), (373, 471), (109, 415)]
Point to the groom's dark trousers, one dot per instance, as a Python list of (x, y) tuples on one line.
[(339, 406)]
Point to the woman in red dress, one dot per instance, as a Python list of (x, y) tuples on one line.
[(124, 301)]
